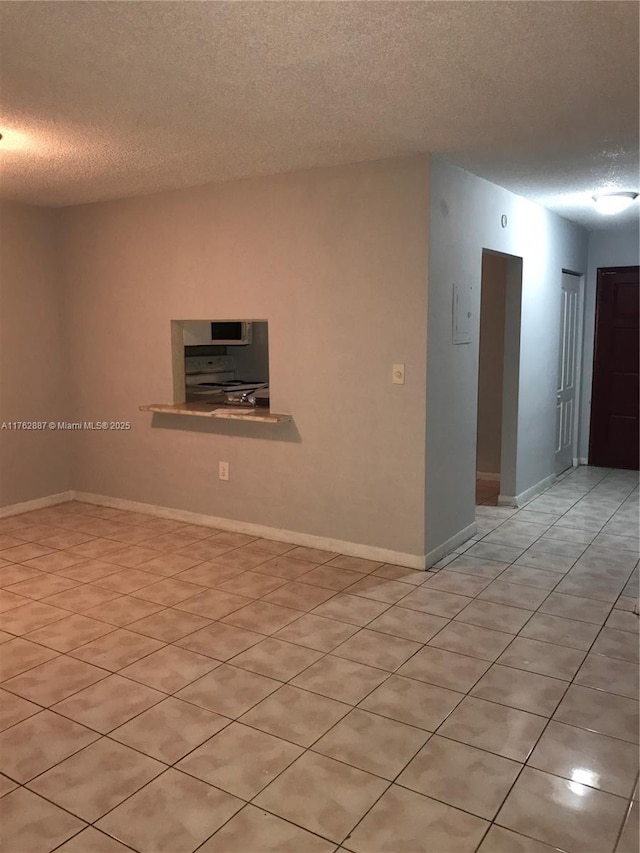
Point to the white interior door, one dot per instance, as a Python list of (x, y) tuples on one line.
[(566, 400)]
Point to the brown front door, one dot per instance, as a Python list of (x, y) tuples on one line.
[(615, 437)]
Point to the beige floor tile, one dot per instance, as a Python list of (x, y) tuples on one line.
[(54, 680), (412, 702), (29, 617), (41, 587), (457, 583), (208, 574), (267, 547), (322, 795), (252, 584), (169, 669), (36, 744), (228, 690), (374, 649), (255, 830), (461, 776), (445, 669), (526, 576), (311, 555), (173, 814), (262, 617), (498, 553), (286, 567), (168, 591), (352, 609), (25, 553), (629, 838), (590, 586), (496, 728), (513, 594), (299, 596), (610, 674), (89, 571), (600, 712), (587, 758), (81, 598), (116, 650), (32, 825), (19, 655), (332, 577), (344, 680), (576, 607), (213, 604), (622, 620), (372, 743), (471, 640), (356, 564), (67, 634), (92, 841), (94, 780), (548, 562), (240, 760), (408, 624), (316, 632), (131, 557), (109, 703), (516, 688), (169, 730), (11, 573), (562, 813), (415, 577), (276, 659), (13, 709), (500, 617), (220, 641), (239, 559), (543, 658), (563, 632), (405, 821), (168, 625), (126, 581), (296, 715), (380, 589), (467, 564), (617, 644), (501, 840), (123, 611), (169, 564), (435, 602)]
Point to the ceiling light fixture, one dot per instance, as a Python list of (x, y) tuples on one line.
[(609, 203)]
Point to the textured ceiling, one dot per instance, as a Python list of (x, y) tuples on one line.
[(109, 99)]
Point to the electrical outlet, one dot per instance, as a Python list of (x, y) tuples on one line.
[(223, 470), (397, 374)]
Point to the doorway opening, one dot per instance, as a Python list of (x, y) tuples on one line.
[(614, 436), (498, 378)]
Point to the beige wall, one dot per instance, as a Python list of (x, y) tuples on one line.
[(491, 362), (33, 380), (336, 261)]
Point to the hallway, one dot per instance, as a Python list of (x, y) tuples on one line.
[(171, 688)]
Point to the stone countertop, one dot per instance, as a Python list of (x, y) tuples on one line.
[(217, 410)]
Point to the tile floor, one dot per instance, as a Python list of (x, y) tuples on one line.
[(167, 688)]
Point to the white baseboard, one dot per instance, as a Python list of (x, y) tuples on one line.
[(483, 475), (528, 494), (308, 540), (581, 460), (37, 503), (436, 554)]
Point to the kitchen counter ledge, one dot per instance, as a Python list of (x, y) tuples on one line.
[(211, 410)]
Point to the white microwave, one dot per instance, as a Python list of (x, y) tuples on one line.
[(230, 332)]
